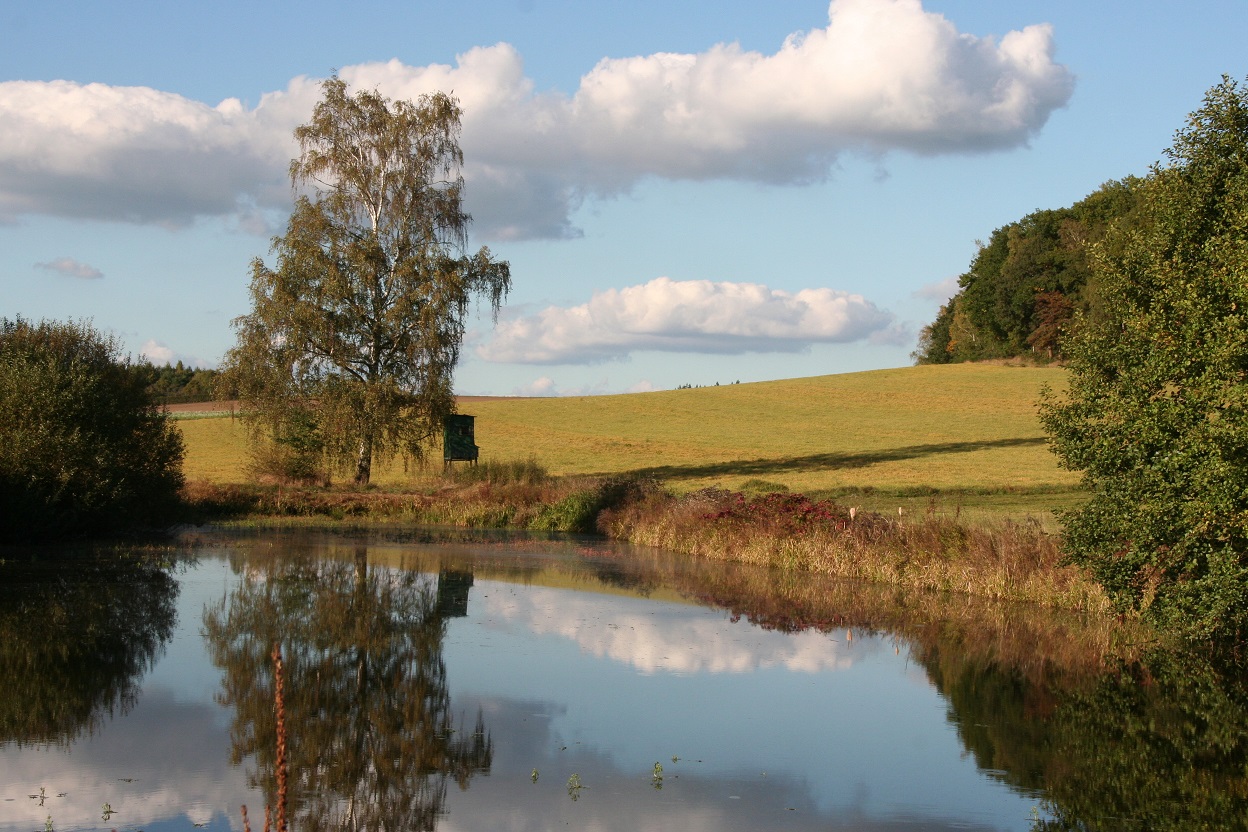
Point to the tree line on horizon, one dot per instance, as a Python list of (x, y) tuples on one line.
[(1026, 285), (176, 383)]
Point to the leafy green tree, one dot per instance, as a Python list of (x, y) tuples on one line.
[(1024, 284), (83, 449), (361, 322), (1156, 415)]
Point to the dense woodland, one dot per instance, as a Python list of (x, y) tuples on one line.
[(1028, 282), (176, 383)]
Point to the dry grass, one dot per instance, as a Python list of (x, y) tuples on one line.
[(1006, 560)]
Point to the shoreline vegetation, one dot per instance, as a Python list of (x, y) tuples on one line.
[(1005, 559), (926, 478)]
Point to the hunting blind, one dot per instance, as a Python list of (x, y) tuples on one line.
[(458, 440)]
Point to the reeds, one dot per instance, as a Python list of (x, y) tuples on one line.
[(1005, 560)]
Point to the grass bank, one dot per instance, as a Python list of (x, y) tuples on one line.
[(1002, 560), (962, 441)]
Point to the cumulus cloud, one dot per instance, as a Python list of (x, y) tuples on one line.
[(539, 387), (160, 354), (157, 352), (657, 638), (881, 76), (70, 267), (699, 316), (133, 154)]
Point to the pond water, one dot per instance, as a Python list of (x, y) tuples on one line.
[(457, 681)]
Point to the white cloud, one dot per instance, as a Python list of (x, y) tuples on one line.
[(939, 291), (547, 387), (896, 334), (662, 638), (70, 267), (883, 75), (133, 154), (159, 353), (684, 316)]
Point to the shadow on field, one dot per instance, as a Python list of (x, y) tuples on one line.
[(830, 461)]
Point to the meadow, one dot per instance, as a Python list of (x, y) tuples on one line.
[(952, 440)]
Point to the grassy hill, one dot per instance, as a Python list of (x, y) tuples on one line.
[(959, 437)]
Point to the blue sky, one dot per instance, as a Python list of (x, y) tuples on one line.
[(687, 192)]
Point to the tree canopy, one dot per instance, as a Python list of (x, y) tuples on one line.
[(1026, 283), (83, 448), (176, 383), (351, 345), (1156, 415)]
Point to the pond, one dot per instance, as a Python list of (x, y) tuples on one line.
[(470, 681)]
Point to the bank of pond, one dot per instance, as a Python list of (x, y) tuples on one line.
[(469, 679)]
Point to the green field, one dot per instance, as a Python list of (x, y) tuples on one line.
[(951, 438)]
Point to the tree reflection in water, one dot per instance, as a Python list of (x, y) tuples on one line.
[(1162, 741), (76, 637), (1105, 736), (371, 739), (1102, 735)]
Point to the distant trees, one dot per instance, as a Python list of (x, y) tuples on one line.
[(1156, 415), (83, 449), (1027, 282), (350, 348), (176, 383)]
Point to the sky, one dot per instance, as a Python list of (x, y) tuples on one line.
[(687, 192)]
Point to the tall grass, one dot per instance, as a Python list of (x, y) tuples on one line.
[(520, 495), (1008, 560)]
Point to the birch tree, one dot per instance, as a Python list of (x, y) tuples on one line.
[(351, 345)]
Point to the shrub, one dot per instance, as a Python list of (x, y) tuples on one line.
[(580, 510), (83, 450), (1156, 414), (295, 455)]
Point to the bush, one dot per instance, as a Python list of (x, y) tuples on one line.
[(293, 456), (83, 450), (1156, 414), (579, 511)]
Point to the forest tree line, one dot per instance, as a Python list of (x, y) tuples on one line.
[(176, 383), (1028, 282)]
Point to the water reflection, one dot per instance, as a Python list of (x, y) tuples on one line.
[(788, 701), (1163, 741), (1105, 734), (372, 742), (76, 637)]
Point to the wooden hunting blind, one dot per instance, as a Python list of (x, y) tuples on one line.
[(458, 440)]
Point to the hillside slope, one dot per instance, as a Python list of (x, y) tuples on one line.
[(968, 431)]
